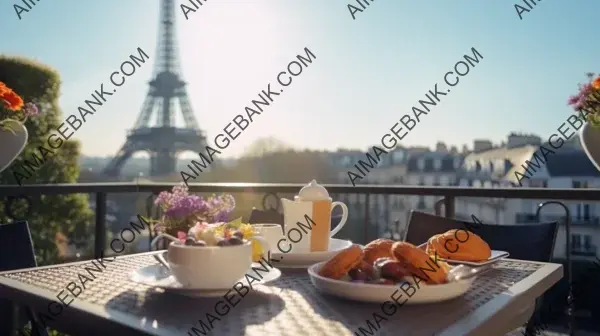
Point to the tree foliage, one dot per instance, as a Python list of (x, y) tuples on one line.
[(52, 214)]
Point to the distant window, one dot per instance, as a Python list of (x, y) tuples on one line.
[(421, 164), (456, 163), (437, 164), (576, 241), (398, 156)]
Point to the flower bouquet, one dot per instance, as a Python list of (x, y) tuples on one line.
[(202, 222), (587, 100), (587, 103), (13, 134)]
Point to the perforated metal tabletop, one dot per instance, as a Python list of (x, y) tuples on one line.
[(290, 306)]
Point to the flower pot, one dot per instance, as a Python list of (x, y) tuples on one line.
[(11, 144), (590, 141)]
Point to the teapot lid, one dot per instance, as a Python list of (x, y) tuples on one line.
[(313, 192)]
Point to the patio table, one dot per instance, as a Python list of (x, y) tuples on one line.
[(112, 303)]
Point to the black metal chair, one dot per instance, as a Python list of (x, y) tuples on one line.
[(16, 252), (265, 216), (533, 242)]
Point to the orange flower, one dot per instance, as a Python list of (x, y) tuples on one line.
[(596, 83), (12, 100), (3, 89)]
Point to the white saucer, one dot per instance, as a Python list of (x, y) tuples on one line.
[(159, 276), (304, 260), (380, 293)]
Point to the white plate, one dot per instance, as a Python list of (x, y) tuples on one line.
[(160, 277), (381, 293), (496, 256), (304, 260)]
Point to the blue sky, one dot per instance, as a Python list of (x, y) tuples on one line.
[(368, 72)]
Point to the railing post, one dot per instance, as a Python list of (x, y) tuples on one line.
[(437, 207), (367, 216), (449, 203), (100, 228)]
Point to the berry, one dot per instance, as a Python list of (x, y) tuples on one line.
[(238, 234), (235, 241), (222, 242), (189, 241), (357, 274)]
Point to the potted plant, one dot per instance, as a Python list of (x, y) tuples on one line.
[(182, 210), (587, 104), (13, 134)]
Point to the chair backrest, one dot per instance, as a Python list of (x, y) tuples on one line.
[(16, 247), (16, 252), (533, 242)]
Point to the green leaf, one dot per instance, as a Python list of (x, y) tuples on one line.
[(236, 223)]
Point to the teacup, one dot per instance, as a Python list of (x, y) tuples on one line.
[(209, 267), (272, 233)]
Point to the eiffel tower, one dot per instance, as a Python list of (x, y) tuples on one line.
[(163, 141)]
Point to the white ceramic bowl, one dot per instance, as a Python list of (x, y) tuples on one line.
[(209, 267)]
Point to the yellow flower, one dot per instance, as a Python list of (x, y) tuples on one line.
[(249, 232)]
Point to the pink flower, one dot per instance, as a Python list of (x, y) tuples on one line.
[(30, 110), (181, 236)]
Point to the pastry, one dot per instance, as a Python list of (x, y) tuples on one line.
[(342, 262), (459, 245), (420, 264), (379, 248)]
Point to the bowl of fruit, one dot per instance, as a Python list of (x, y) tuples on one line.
[(197, 258)]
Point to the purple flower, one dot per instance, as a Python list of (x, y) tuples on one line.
[(573, 100), (181, 207), (30, 110)]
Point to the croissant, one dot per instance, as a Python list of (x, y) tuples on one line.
[(379, 248), (420, 264), (459, 245)]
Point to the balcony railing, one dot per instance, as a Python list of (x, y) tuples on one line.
[(577, 221), (447, 195)]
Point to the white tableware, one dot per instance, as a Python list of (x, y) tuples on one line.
[(272, 233), (161, 277), (303, 260), (12, 144), (380, 293), (307, 219), (209, 267), (494, 257), (590, 142)]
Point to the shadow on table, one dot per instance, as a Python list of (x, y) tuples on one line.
[(418, 319), (199, 316)]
